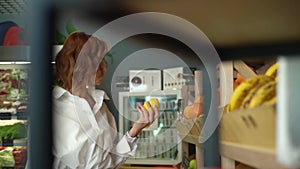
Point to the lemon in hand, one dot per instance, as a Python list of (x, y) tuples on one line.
[(153, 102)]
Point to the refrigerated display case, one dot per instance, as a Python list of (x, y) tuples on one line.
[(159, 144), (14, 95)]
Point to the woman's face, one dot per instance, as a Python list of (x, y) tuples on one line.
[(100, 72)]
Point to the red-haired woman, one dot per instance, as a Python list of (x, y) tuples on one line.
[(84, 128)]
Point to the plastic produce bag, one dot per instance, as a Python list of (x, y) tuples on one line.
[(7, 158)]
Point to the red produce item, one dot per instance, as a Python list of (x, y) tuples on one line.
[(12, 37), (20, 157)]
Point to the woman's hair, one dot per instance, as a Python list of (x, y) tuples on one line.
[(77, 62)]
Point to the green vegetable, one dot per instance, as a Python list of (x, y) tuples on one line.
[(7, 158), (14, 131)]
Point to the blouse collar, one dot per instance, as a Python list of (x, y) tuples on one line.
[(98, 95)]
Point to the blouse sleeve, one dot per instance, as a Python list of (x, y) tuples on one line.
[(123, 151)]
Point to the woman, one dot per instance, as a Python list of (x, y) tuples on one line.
[(84, 128)]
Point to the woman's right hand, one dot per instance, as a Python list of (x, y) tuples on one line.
[(146, 119)]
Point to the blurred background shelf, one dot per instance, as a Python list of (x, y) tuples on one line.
[(14, 53)]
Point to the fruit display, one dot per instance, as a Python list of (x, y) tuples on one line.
[(191, 121), (263, 94), (255, 91), (272, 71), (16, 130), (250, 120), (13, 157), (194, 110), (239, 78), (13, 93)]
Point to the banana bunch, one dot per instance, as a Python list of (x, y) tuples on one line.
[(245, 88), (260, 95), (255, 91), (272, 71)]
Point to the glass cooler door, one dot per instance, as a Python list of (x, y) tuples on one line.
[(159, 143)]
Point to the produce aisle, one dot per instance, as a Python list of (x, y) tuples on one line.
[(240, 30), (249, 124), (14, 85), (13, 116)]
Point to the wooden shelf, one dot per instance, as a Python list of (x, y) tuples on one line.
[(135, 167), (257, 157), (153, 161), (190, 139), (147, 167)]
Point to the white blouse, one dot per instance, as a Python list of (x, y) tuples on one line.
[(84, 138)]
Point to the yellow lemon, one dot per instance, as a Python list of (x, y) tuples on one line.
[(153, 102)]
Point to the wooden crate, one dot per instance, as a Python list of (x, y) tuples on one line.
[(254, 127), (189, 127), (249, 136), (189, 131), (227, 72), (246, 126)]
